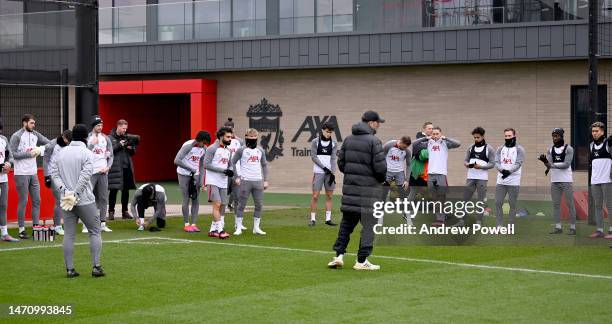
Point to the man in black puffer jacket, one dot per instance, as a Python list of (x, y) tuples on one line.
[(362, 160), (121, 174)]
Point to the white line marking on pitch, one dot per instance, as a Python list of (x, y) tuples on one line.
[(280, 248), (459, 264), (45, 246)]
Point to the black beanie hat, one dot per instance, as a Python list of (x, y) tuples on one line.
[(229, 123), (80, 133), (96, 120), (559, 131)]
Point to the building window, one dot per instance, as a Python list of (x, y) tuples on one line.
[(174, 20), (581, 129), (249, 18), (11, 24), (334, 16), (297, 17), (130, 21), (213, 19)]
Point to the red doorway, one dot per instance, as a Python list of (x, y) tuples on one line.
[(165, 113)]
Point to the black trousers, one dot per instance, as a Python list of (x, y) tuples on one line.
[(347, 226), (125, 192)]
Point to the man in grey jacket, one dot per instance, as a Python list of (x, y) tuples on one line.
[(24, 148), (397, 157), (71, 173), (324, 155), (437, 168), (52, 150), (102, 149), (190, 170), (150, 195), (558, 162), (479, 159), (509, 160)]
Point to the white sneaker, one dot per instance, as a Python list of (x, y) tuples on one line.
[(84, 230), (106, 229), (336, 263), (141, 228), (59, 230), (408, 218), (258, 231), (238, 232), (242, 227), (365, 266)]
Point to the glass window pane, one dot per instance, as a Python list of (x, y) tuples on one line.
[(324, 7), (303, 8), (324, 24), (286, 26), (244, 10), (343, 7), (260, 9), (286, 8), (207, 12), (304, 25), (343, 23), (226, 10)]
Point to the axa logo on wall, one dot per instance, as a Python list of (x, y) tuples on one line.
[(265, 118)]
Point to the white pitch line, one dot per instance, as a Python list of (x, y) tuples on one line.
[(281, 248), (458, 264), (80, 243)]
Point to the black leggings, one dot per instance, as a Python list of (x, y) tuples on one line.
[(112, 199)]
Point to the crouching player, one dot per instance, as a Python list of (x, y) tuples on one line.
[(251, 179), (150, 195)]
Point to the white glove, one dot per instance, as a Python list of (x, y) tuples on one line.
[(36, 151), (68, 201), (42, 150)]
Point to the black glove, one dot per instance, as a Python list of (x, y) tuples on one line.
[(228, 172), (547, 170), (610, 140), (332, 179), (327, 171), (505, 174), (48, 181), (386, 183), (471, 165), (543, 158)]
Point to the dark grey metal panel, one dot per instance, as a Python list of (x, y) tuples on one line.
[(508, 43), (485, 44), (274, 52), (396, 48), (496, 38), (323, 45), (473, 39), (450, 38), (520, 36), (333, 50), (469, 45), (294, 52), (256, 47), (462, 45), (532, 42), (238, 55), (385, 43), (353, 49), (556, 41), (569, 35), (439, 46), (417, 47), (313, 51), (544, 35), (582, 40)]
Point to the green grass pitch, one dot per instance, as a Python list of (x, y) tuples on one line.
[(282, 277)]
